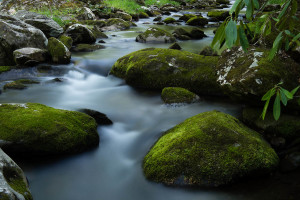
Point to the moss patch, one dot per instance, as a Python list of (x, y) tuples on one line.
[(5, 69), (156, 68), (197, 21), (169, 20), (209, 149), (66, 40), (39, 129), (177, 95), (155, 35), (58, 51), (19, 84)]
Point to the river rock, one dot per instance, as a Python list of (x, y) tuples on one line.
[(156, 68), (181, 34), (178, 95), (66, 40), (169, 8), (80, 34), (87, 47), (100, 118), (143, 15), (209, 149), (155, 35), (42, 130), (16, 34), (208, 51), (175, 46), (13, 183), (58, 51), (197, 21), (287, 127), (197, 33), (29, 56), (5, 69), (49, 27), (219, 15), (19, 84), (122, 15), (186, 17), (169, 20), (114, 24), (248, 76), (86, 14)]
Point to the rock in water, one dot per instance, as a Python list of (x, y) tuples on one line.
[(175, 46), (156, 68), (80, 34), (28, 56), (58, 51), (100, 118), (209, 149), (49, 27), (38, 129), (13, 183), (178, 95), (86, 14), (16, 34), (155, 35)]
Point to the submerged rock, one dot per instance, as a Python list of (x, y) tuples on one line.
[(42, 130), (29, 56), (5, 69), (100, 118), (156, 68), (13, 183), (155, 35), (209, 149), (248, 76), (19, 84), (178, 95), (58, 51), (87, 47), (80, 34)]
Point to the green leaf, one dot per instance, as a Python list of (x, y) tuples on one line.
[(287, 93), (249, 11), (268, 95), (243, 38), (230, 33), (289, 33), (256, 4), (219, 36), (294, 90), (234, 6), (263, 114), (284, 9), (296, 37), (276, 46), (287, 44), (283, 97), (276, 107)]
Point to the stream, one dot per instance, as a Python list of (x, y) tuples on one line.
[(114, 170)]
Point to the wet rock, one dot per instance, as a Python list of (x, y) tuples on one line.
[(175, 46), (49, 27), (223, 1), (26, 56), (58, 51), (197, 21), (41, 130), (16, 34), (66, 40), (5, 69), (86, 14), (143, 15), (101, 41), (156, 68), (155, 35), (98, 33), (13, 183), (87, 47), (178, 95), (169, 8), (100, 118), (278, 142), (209, 149), (208, 51), (197, 33), (166, 13), (122, 15), (186, 17), (291, 162), (248, 76), (169, 20), (181, 34), (219, 15), (116, 24), (80, 34), (156, 19), (19, 84)]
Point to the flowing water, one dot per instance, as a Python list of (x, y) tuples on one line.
[(114, 170)]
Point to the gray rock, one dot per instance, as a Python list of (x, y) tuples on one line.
[(49, 27), (26, 56), (11, 179), (58, 51), (86, 14), (155, 35), (80, 34), (16, 34)]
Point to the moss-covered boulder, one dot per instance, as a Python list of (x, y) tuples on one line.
[(248, 76), (288, 126), (117, 24), (209, 149), (197, 21), (143, 15), (80, 34), (169, 20), (219, 15), (5, 69), (13, 182), (58, 51), (19, 84), (208, 51), (122, 15), (39, 129), (66, 40), (85, 14), (181, 34), (30, 56), (156, 68), (98, 32), (223, 1), (178, 95), (155, 35), (87, 47), (186, 17), (175, 46)]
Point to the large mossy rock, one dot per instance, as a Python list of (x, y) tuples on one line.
[(86, 14), (38, 129), (117, 24), (248, 76), (13, 183), (197, 21), (30, 56), (209, 149), (59, 52), (155, 35), (219, 15), (15, 34), (49, 27), (156, 68), (80, 34), (178, 95), (288, 126)]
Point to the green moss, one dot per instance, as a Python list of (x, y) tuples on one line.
[(197, 21), (209, 149), (288, 126), (19, 84), (39, 129), (15, 180), (156, 68), (143, 15), (169, 20), (154, 34), (177, 95), (118, 22), (5, 69), (98, 23), (87, 47), (59, 52), (186, 17), (215, 13), (66, 40)]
